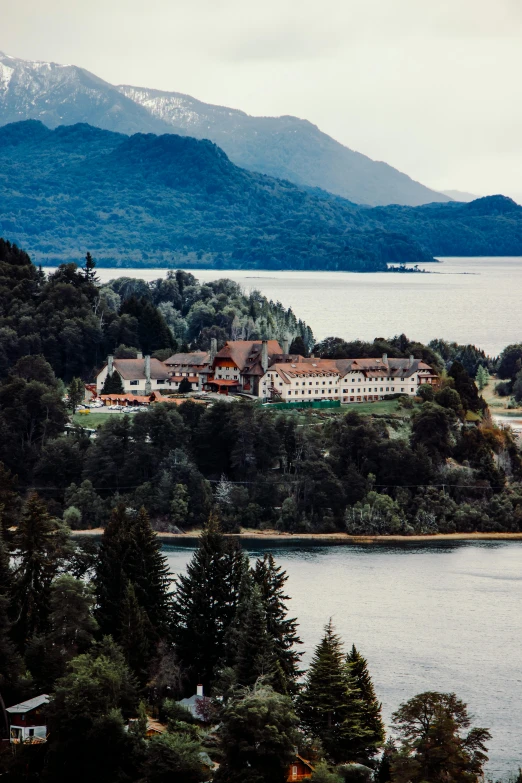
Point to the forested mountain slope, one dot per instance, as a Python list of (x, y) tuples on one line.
[(284, 147), (171, 200)]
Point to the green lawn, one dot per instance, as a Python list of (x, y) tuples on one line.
[(381, 408), (93, 419)]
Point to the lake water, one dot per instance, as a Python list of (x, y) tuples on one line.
[(443, 617), (469, 300)]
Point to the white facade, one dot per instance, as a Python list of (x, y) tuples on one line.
[(321, 380), (26, 733)]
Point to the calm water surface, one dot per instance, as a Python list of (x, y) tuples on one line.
[(441, 617), (469, 300)]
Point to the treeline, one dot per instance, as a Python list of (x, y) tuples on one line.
[(114, 647), (444, 467), (74, 323)]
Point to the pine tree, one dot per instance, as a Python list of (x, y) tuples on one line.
[(205, 603), (482, 377), (42, 542), (255, 648), (148, 571), (111, 579), (371, 717), (88, 269), (76, 393), (271, 580), (134, 634), (329, 703), (113, 384)]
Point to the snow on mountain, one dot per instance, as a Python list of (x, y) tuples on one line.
[(283, 147)]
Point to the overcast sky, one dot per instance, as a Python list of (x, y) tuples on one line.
[(430, 86)]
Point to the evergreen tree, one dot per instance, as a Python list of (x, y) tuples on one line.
[(9, 501), (371, 715), (111, 578), (88, 269), (205, 604), (255, 648), (482, 377), (41, 543), (148, 572), (298, 346), (113, 384), (271, 580), (134, 633), (76, 393), (185, 386), (329, 703)]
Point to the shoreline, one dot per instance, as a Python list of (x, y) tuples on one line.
[(334, 539)]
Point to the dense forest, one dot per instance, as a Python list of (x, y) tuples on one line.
[(163, 201), (98, 624), (116, 645)]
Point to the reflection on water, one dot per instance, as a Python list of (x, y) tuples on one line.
[(443, 616)]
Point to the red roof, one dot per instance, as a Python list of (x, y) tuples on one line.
[(220, 382)]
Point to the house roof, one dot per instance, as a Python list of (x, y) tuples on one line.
[(247, 353), (29, 704), (134, 369), (324, 368), (197, 358)]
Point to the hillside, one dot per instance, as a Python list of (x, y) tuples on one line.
[(283, 147), (166, 200)]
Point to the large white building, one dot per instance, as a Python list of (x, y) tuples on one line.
[(347, 380)]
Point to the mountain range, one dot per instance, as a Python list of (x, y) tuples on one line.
[(285, 147), (169, 200)]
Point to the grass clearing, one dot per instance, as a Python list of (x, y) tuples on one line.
[(94, 419)]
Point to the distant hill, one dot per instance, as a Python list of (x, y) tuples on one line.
[(169, 200), (282, 147)]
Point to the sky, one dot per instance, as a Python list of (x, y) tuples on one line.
[(430, 87)]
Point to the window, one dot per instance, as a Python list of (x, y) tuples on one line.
[(353, 380), (402, 388), (317, 391), (294, 773), (134, 383), (381, 389), (31, 732), (309, 391), (289, 392)]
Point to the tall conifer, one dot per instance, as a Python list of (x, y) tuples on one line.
[(205, 603), (371, 714), (148, 571), (134, 633), (271, 580), (255, 647), (111, 579), (329, 703), (41, 543)]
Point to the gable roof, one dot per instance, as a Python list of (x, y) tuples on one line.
[(247, 353), (134, 369), (29, 704), (198, 358)]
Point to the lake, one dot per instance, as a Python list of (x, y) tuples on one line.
[(469, 300), (441, 616)]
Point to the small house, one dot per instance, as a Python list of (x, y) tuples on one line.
[(27, 722), (299, 769), (192, 702)]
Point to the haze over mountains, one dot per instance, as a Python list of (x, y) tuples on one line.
[(283, 147)]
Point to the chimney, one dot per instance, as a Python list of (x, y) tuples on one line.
[(385, 359), (285, 345), (110, 365), (139, 355), (213, 349), (264, 355), (411, 360), (199, 691), (148, 384)]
